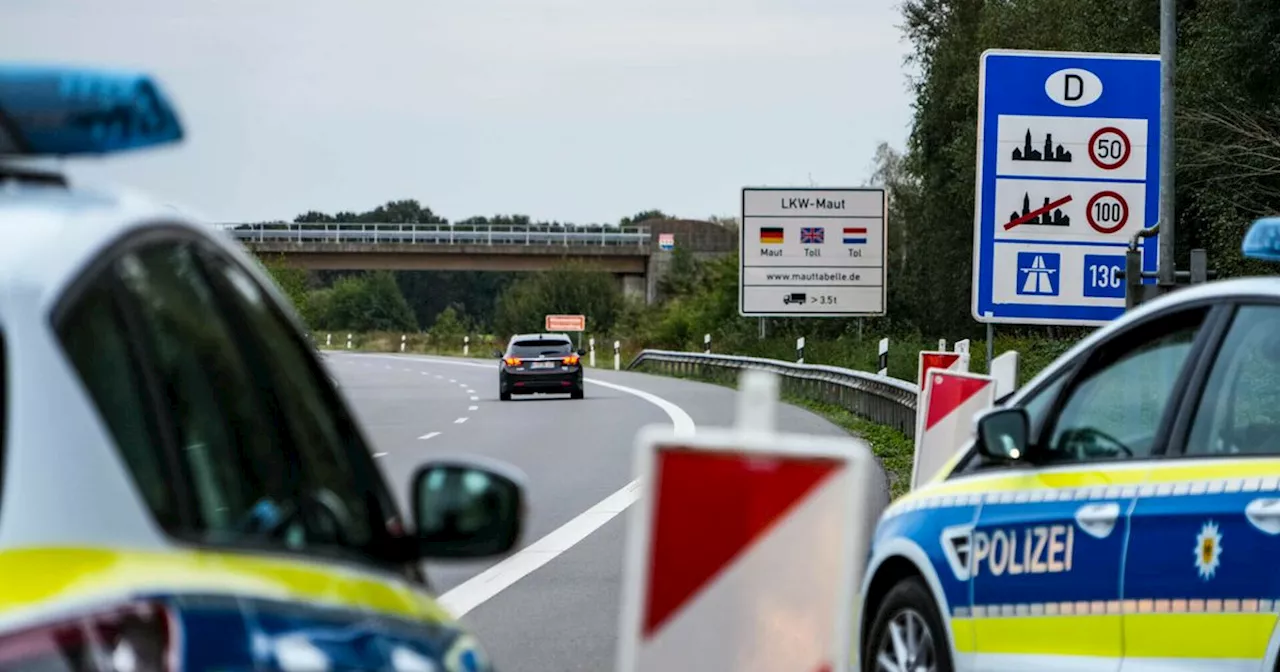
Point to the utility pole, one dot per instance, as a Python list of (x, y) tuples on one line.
[(1165, 273)]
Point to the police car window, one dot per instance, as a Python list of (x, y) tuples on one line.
[(242, 479), (540, 348), (95, 338), (337, 483), (1239, 411), (1115, 409)]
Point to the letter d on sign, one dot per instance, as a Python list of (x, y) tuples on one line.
[(1073, 87)]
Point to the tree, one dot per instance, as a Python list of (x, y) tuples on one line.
[(370, 302), (571, 288), (293, 283), (683, 275), (448, 329)]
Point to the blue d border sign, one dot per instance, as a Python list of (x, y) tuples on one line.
[(1067, 173)]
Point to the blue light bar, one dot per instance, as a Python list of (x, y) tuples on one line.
[(51, 111), (1263, 240)]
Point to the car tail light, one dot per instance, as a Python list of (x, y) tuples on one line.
[(571, 360), (141, 637), (512, 361)]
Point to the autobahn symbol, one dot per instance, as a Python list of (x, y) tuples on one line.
[(1109, 148), (1107, 212)]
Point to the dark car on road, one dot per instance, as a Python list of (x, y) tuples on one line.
[(540, 363)]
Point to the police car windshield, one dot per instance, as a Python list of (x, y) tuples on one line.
[(540, 348)]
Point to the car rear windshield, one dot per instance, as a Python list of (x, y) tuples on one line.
[(540, 348)]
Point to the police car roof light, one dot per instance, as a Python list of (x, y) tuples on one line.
[(56, 111), (1263, 240)]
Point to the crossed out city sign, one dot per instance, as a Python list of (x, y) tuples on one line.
[(1068, 157)]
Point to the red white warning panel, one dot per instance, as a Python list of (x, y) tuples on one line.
[(745, 552), (940, 359), (944, 418)]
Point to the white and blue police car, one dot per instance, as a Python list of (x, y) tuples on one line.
[(181, 486), (1120, 512)]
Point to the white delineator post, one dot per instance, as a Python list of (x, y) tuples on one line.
[(466, 346), (942, 344), (592, 345), (706, 343), (328, 340), (882, 362), (403, 338), (800, 350), (348, 341), (617, 355)]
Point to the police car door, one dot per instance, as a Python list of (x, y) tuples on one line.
[(1048, 551), (1202, 582)]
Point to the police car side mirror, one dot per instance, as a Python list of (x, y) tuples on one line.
[(581, 352), (462, 509), (1003, 433), (497, 354)]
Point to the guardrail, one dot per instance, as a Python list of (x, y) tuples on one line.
[(879, 399), (438, 234)]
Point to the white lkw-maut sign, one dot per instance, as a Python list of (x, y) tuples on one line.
[(816, 252)]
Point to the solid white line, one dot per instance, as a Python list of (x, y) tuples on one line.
[(459, 421), (473, 408), (478, 589), (429, 435), (475, 591)]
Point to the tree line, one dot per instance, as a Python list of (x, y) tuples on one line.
[(1227, 174)]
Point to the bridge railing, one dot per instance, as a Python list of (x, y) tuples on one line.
[(439, 234), (879, 399)]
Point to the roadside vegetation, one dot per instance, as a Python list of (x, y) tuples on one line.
[(1228, 173)]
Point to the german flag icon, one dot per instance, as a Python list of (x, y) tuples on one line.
[(771, 235)]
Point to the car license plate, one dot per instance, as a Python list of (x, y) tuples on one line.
[(542, 365)]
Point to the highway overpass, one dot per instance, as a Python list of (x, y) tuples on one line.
[(630, 253)]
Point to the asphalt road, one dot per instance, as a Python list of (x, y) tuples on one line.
[(563, 615)]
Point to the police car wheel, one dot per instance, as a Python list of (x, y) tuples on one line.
[(907, 635)]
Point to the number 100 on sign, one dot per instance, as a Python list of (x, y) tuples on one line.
[(1103, 276)]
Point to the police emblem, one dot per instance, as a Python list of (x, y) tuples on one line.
[(1208, 550)]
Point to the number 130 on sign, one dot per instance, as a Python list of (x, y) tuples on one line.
[(1102, 276)]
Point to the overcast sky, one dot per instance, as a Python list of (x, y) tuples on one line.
[(575, 110)]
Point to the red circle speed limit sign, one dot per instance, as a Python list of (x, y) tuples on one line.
[(1107, 212), (1109, 148)]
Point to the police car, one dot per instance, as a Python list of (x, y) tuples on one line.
[(1119, 512), (181, 487)]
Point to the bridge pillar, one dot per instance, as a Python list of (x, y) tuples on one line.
[(635, 287)]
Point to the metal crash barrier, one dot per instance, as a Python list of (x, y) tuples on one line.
[(875, 398)]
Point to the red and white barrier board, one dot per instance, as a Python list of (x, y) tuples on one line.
[(745, 551), (949, 401), (940, 359)]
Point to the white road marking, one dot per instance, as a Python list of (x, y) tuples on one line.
[(452, 380), (473, 408), (429, 435), (475, 591), (480, 588), (475, 398), (380, 454), (459, 421)]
